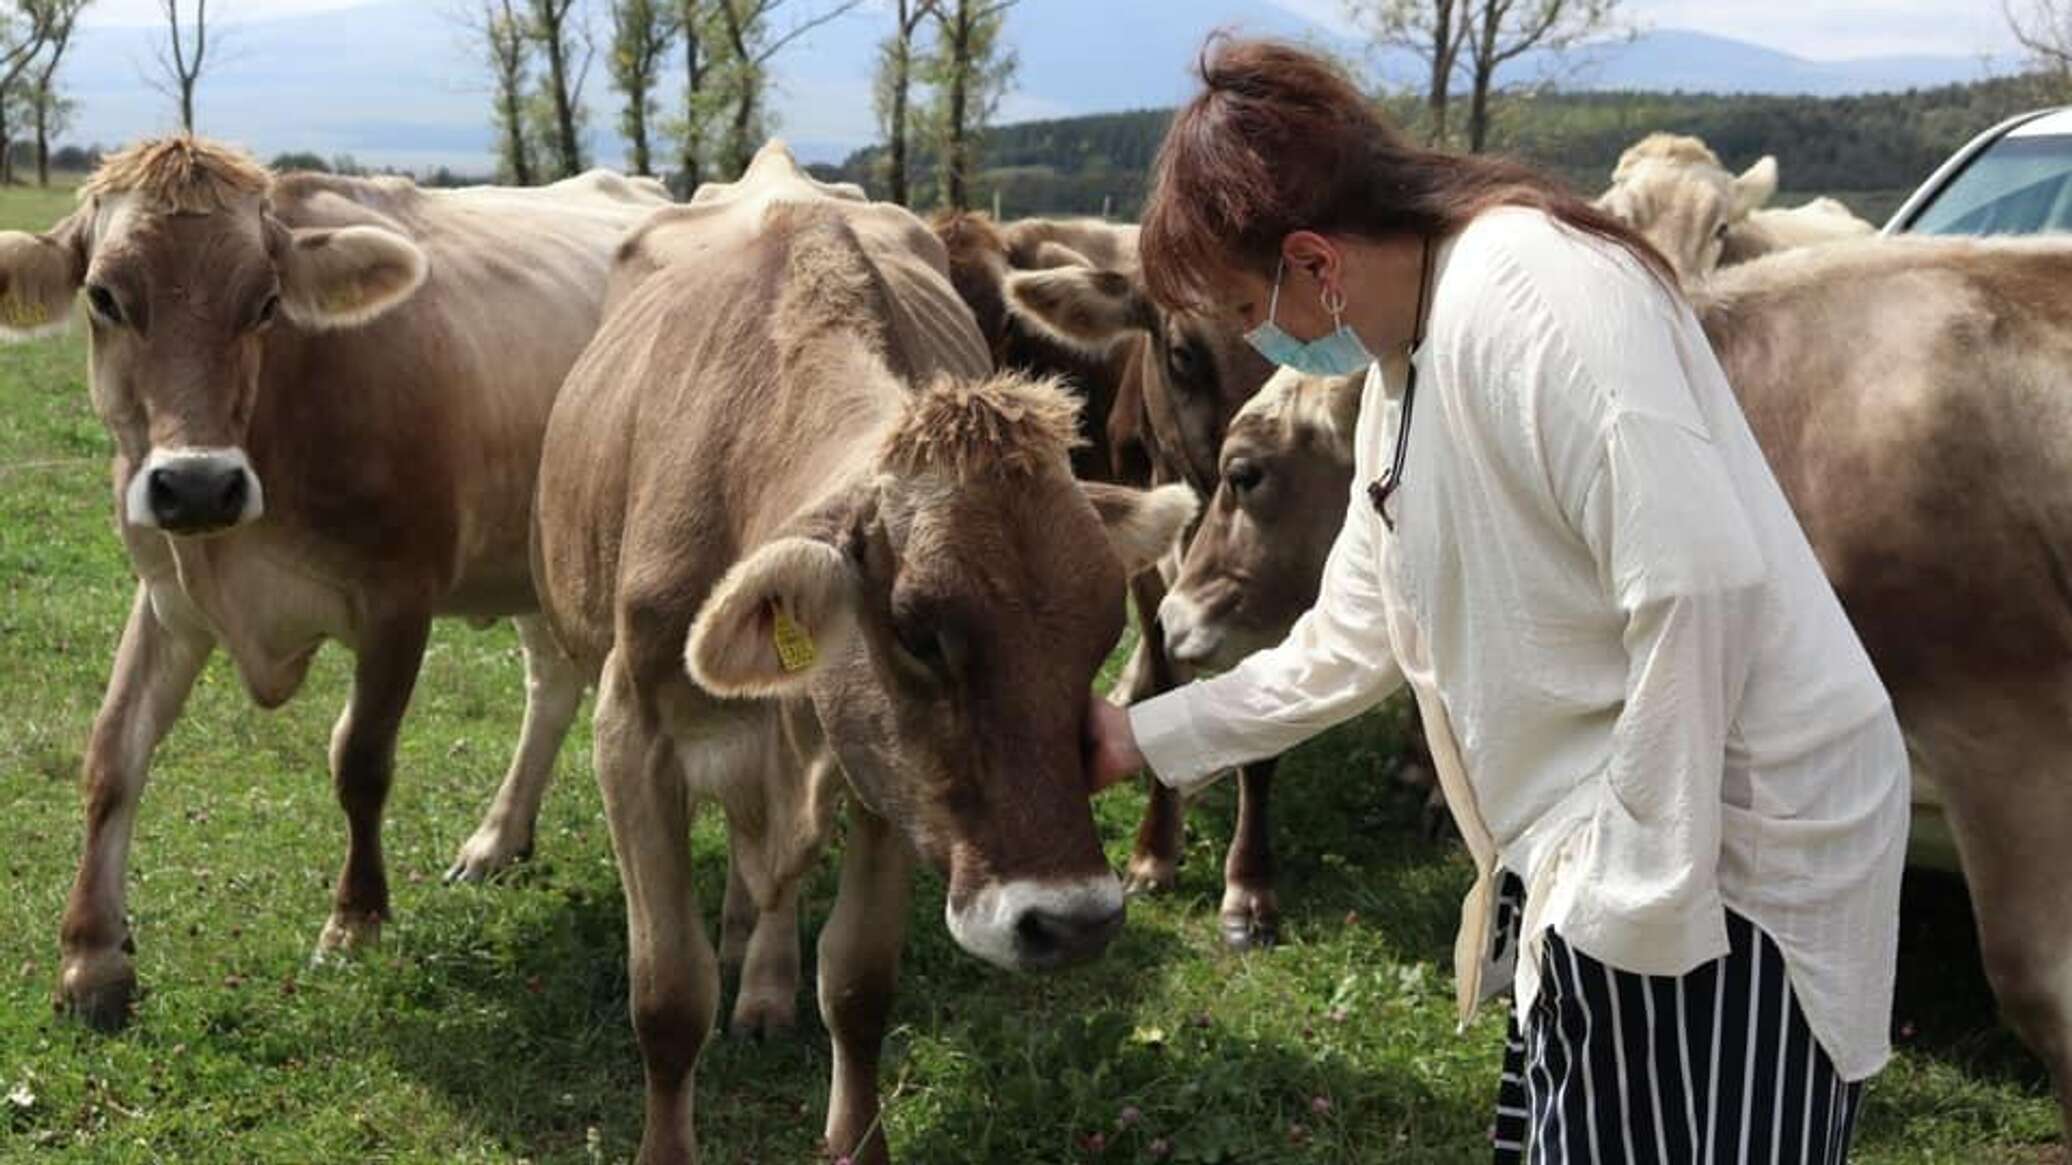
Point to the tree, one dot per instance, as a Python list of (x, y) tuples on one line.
[(642, 31), (895, 84), (2044, 29), (509, 52), (1434, 30), (694, 20), (555, 27), (302, 160), (50, 110), (181, 60), (969, 72), (741, 75), (1500, 31)]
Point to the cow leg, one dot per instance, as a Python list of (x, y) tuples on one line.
[(155, 668), (859, 970), (737, 917), (2012, 822), (672, 974), (553, 691), (1155, 858), (766, 1000), (1251, 914), (363, 759)]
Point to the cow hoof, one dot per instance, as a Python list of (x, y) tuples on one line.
[(1247, 932), (762, 1018), (98, 990), (1249, 919), (1150, 876), (488, 853), (345, 934)]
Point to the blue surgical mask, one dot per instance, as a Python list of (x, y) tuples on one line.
[(1337, 354)]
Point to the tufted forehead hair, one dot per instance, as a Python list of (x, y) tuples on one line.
[(1007, 425), (181, 174), (1673, 149)]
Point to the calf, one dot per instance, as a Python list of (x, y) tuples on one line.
[(1673, 190), (802, 527)]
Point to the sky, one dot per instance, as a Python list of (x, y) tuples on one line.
[(397, 82), (1819, 29), (1816, 29)]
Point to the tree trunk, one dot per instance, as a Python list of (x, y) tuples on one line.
[(43, 140), (187, 104), (1478, 111), (902, 66), (1485, 74), (693, 138), (954, 144), (564, 111), (514, 135), (744, 116), (638, 124), (1442, 74)]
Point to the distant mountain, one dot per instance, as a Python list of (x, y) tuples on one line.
[(1694, 62), (397, 83)]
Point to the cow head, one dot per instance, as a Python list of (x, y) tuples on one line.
[(1195, 371), (1254, 565), (1675, 192), (947, 628), (187, 273), (983, 255)]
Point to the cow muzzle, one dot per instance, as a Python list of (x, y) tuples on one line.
[(1192, 636), (1037, 926), (194, 491)]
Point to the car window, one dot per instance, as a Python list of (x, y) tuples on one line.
[(2019, 185)]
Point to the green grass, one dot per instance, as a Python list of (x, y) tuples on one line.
[(491, 1024)]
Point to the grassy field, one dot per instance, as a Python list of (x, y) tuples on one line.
[(491, 1026)]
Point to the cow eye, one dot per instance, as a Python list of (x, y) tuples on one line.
[(918, 649), (1720, 232), (267, 311), (1243, 475), (1182, 361), (102, 301)]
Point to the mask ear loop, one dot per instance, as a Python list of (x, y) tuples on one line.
[(1334, 302), (1273, 303)]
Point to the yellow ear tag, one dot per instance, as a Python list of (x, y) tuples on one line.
[(795, 649)]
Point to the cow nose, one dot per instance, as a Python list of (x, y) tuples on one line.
[(1189, 639), (194, 496), (1046, 938)]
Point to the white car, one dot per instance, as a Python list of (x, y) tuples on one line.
[(2013, 179)]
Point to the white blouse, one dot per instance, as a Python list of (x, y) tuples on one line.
[(1640, 692)]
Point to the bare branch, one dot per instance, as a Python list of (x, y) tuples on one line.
[(776, 46)]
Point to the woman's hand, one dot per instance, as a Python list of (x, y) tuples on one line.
[(1111, 746)]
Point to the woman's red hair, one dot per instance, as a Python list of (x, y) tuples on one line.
[(1279, 140)]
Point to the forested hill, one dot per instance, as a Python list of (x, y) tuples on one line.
[(1868, 149)]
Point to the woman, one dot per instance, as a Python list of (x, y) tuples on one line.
[(1650, 716)]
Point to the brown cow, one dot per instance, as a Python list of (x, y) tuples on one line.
[(1188, 375), (1674, 190), (982, 254), (326, 396), (1925, 467), (798, 525)]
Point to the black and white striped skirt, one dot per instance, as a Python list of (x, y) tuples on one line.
[(1717, 1065)]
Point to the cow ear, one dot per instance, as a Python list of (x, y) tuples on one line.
[(40, 276), (772, 620), (347, 277), (1142, 524), (1755, 186), (1080, 307)]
